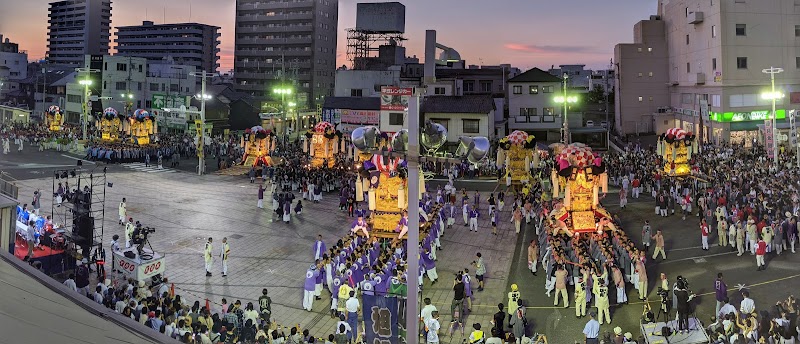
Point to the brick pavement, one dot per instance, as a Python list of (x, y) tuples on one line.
[(186, 209)]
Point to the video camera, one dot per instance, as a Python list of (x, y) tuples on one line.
[(140, 234)]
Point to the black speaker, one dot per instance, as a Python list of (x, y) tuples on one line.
[(83, 226), (130, 254), (666, 331)]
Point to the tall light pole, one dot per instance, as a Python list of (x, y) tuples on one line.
[(412, 163), (283, 91), (774, 96), (201, 163), (86, 82), (566, 100)]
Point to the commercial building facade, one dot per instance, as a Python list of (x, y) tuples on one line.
[(190, 44), (286, 44), (77, 28), (707, 59)]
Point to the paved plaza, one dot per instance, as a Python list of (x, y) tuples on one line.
[(186, 209)]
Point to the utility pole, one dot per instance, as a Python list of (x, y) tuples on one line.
[(86, 82), (201, 164), (412, 161), (608, 123), (774, 96)]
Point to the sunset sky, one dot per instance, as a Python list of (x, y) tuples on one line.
[(525, 33)]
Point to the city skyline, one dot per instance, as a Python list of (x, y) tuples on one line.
[(515, 39)]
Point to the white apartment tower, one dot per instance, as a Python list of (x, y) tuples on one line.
[(709, 53), (77, 28)]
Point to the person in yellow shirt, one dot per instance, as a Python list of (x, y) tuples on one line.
[(513, 299)]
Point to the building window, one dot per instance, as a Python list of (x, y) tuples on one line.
[(639, 49), (797, 30), (74, 98), (741, 29), (687, 39), (471, 126), (640, 74), (641, 98), (139, 86), (548, 111), (547, 89), (714, 64), (797, 62), (443, 121), (687, 98), (395, 118), (686, 10), (713, 31), (533, 89), (356, 92), (650, 98), (517, 89), (469, 86), (741, 63), (154, 87), (120, 86), (174, 88), (529, 115), (486, 86), (122, 67), (439, 91), (650, 50)]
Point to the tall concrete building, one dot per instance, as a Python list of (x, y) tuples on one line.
[(187, 43), (78, 28), (698, 65), (286, 44)]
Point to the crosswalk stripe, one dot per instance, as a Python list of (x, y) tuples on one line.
[(140, 167)]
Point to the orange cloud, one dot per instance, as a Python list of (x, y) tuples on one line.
[(551, 49)]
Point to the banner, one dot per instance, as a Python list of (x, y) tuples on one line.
[(381, 320), (395, 98), (792, 128), (363, 117), (769, 138)]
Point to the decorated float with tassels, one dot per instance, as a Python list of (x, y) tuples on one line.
[(578, 178), (322, 143), (258, 143), (676, 147), (517, 153), (140, 125), (54, 118), (110, 125), (382, 176)]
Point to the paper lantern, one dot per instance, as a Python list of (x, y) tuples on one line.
[(527, 163), (421, 184), (359, 190), (535, 159), (401, 197), (508, 179), (305, 146), (604, 182), (595, 197), (554, 181), (311, 149), (371, 199), (501, 158), (566, 196)]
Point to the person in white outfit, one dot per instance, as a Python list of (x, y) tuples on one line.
[(123, 211), (208, 256), (223, 255)]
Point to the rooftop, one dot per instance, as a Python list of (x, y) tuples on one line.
[(535, 75), (478, 103)]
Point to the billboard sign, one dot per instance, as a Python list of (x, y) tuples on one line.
[(395, 98), (366, 117), (769, 135), (161, 101)]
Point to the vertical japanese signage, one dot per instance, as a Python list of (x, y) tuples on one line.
[(769, 138), (792, 128)]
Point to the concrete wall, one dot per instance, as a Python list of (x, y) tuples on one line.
[(368, 81)]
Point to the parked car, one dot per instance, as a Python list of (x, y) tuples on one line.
[(604, 124), (589, 124)]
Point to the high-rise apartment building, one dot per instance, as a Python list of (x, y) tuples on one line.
[(282, 43), (187, 43), (78, 28), (698, 65)]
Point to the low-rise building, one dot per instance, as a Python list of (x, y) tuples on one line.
[(468, 115), (13, 67), (531, 105)]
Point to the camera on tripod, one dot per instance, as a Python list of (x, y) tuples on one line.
[(140, 234)]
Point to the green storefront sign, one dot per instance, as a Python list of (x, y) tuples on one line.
[(161, 101), (747, 116)]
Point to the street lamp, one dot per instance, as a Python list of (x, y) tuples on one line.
[(283, 91), (566, 100), (774, 96), (86, 83), (202, 96)]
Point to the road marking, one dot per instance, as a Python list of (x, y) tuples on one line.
[(699, 260), (141, 167), (84, 161)]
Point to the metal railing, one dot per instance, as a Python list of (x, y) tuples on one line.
[(8, 186)]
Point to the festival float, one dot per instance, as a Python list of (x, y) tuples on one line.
[(383, 176), (322, 144), (517, 152), (110, 125), (141, 125), (257, 143), (577, 180), (54, 118), (676, 147)]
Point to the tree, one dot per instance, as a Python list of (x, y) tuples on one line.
[(597, 95)]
